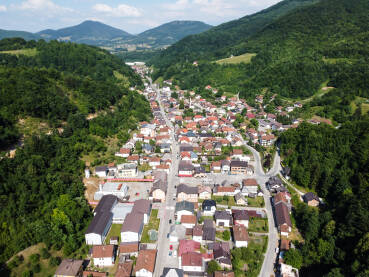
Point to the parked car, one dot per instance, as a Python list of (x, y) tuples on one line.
[(170, 221), (171, 247)]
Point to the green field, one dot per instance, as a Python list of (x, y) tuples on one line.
[(255, 202), (245, 58), (152, 225), (259, 225), (114, 232), (27, 52)]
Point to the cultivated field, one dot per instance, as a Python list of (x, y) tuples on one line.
[(245, 58)]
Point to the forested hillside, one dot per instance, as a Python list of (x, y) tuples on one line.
[(335, 164), (296, 54), (214, 43), (41, 189)]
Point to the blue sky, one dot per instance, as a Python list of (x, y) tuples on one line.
[(131, 16)]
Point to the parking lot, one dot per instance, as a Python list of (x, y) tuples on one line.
[(138, 190)]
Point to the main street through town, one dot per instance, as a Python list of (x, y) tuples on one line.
[(166, 212)]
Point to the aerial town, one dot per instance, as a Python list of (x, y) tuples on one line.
[(193, 197)]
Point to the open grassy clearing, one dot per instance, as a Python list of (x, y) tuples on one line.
[(114, 232), (259, 225), (152, 225), (245, 58), (27, 52), (33, 126), (255, 202)]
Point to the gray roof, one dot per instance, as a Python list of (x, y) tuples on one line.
[(222, 215), (133, 223), (238, 164), (185, 165), (99, 223), (187, 189), (309, 196), (185, 205), (106, 203), (142, 206), (240, 215), (172, 272), (69, 267), (207, 204), (101, 168)]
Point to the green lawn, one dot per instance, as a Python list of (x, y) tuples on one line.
[(152, 225), (258, 225), (245, 58), (27, 52), (114, 232), (228, 200), (255, 202)]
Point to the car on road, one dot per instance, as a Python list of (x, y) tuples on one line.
[(175, 253), (170, 253), (170, 222), (168, 236), (171, 247)]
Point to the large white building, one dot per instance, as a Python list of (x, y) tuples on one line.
[(114, 188), (127, 170)]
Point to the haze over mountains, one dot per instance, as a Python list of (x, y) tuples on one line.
[(100, 34)]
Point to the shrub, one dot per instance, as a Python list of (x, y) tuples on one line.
[(45, 253), (54, 261), (34, 258)]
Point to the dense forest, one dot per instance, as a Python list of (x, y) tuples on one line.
[(296, 54), (41, 189), (335, 164)]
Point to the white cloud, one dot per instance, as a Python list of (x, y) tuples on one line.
[(121, 10), (179, 5), (3, 8), (42, 5)]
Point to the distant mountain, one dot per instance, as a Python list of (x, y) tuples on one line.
[(20, 34), (89, 32), (171, 32)]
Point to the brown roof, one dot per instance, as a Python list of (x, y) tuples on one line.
[(285, 244), (226, 189), (129, 247), (191, 219), (69, 267), (280, 197), (142, 206), (124, 270), (192, 259), (102, 251), (240, 233), (249, 182), (197, 231), (223, 274), (282, 214), (146, 260), (88, 273)]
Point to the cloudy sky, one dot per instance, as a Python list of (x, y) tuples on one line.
[(133, 16)]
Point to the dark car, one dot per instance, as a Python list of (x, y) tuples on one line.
[(170, 221)]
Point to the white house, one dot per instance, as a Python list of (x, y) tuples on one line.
[(132, 227), (222, 218), (127, 170), (240, 235), (103, 255), (145, 263), (101, 171), (191, 262)]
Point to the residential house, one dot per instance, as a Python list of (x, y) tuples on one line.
[(103, 255), (240, 199), (187, 193), (311, 199), (186, 246), (222, 254), (145, 263), (209, 207), (90, 273), (249, 186), (127, 170), (132, 227), (154, 162), (240, 236), (204, 192), (208, 231), (142, 206), (124, 269), (223, 218), (226, 166), (191, 263), (128, 249), (283, 219), (216, 167), (158, 191), (188, 221), (101, 171), (238, 167), (266, 140), (197, 233), (184, 208), (123, 153), (172, 272), (225, 191), (69, 268), (185, 169), (240, 217)]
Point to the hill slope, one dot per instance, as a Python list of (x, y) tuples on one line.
[(18, 34), (171, 32), (211, 44), (89, 32), (296, 54)]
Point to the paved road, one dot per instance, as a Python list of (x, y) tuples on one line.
[(167, 209)]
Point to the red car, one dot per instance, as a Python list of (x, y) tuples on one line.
[(171, 247)]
